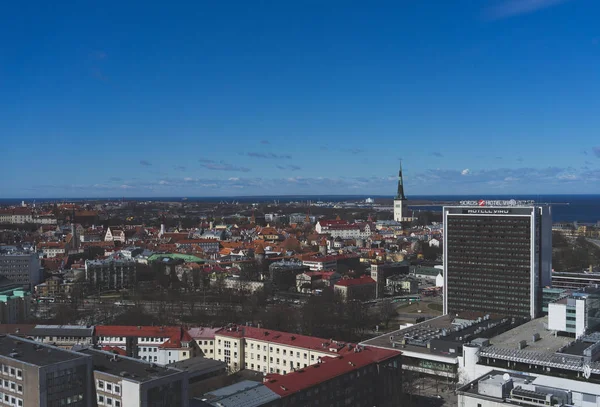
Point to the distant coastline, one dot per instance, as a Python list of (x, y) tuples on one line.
[(566, 208)]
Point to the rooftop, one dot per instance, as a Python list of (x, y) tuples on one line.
[(362, 280), (34, 353), (62, 330), (285, 338), (547, 342), (243, 394), (137, 331), (203, 332), (128, 368), (199, 365), (327, 369)]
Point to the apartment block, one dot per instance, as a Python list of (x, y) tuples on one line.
[(157, 344), (205, 340), (21, 268), (267, 351), (121, 381), (34, 374)]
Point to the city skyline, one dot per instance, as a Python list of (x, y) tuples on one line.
[(243, 99)]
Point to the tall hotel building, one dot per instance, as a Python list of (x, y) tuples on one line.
[(497, 257)]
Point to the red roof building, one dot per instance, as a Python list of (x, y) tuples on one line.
[(366, 376)]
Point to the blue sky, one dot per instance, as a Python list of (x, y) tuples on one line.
[(204, 98)]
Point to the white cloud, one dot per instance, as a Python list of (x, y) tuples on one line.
[(163, 182), (234, 179), (125, 186), (466, 171)]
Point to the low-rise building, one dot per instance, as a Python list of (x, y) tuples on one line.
[(283, 274), (35, 374), (267, 351), (500, 388), (156, 344), (63, 336), (121, 381), (361, 288), (319, 263), (51, 249), (312, 280), (114, 235), (400, 285)]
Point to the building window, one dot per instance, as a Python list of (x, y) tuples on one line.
[(101, 384), (100, 399), (109, 387), (117, 389), (109, 401), (117, 403), (184, 354)]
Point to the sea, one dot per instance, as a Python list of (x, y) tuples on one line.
[(565, 208)]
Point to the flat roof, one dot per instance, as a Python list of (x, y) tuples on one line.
[(34, 353), (199, 365), (548, 342), (383, 341), (243, 394), (127, 368)]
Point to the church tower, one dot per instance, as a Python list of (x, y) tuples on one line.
[(400, 199)]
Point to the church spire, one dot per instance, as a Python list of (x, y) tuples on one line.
[(400, 194)]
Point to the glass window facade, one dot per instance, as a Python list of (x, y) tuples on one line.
[(489, 264)]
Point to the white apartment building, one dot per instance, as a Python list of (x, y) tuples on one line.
[(320, 263), (205, 340), (156, 344), (51, 249), (267, 351)]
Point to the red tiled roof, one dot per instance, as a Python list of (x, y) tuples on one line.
[(285, 338), (329, 368), (355, 281), (115, 349)]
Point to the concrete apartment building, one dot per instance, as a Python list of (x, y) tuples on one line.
[(14, 305), (43, 376), (110, 274), (267, 351), (121, 381), (156, 344), (21, 267)]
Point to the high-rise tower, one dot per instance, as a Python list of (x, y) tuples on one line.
[(400, 199), (497, 257)]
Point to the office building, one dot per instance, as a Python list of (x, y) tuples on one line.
[(497, 257), (121, 381), (576, 313), (110, 274), (14, 305), (39, 375), (21, 267), (574, 281), (267, 351)]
